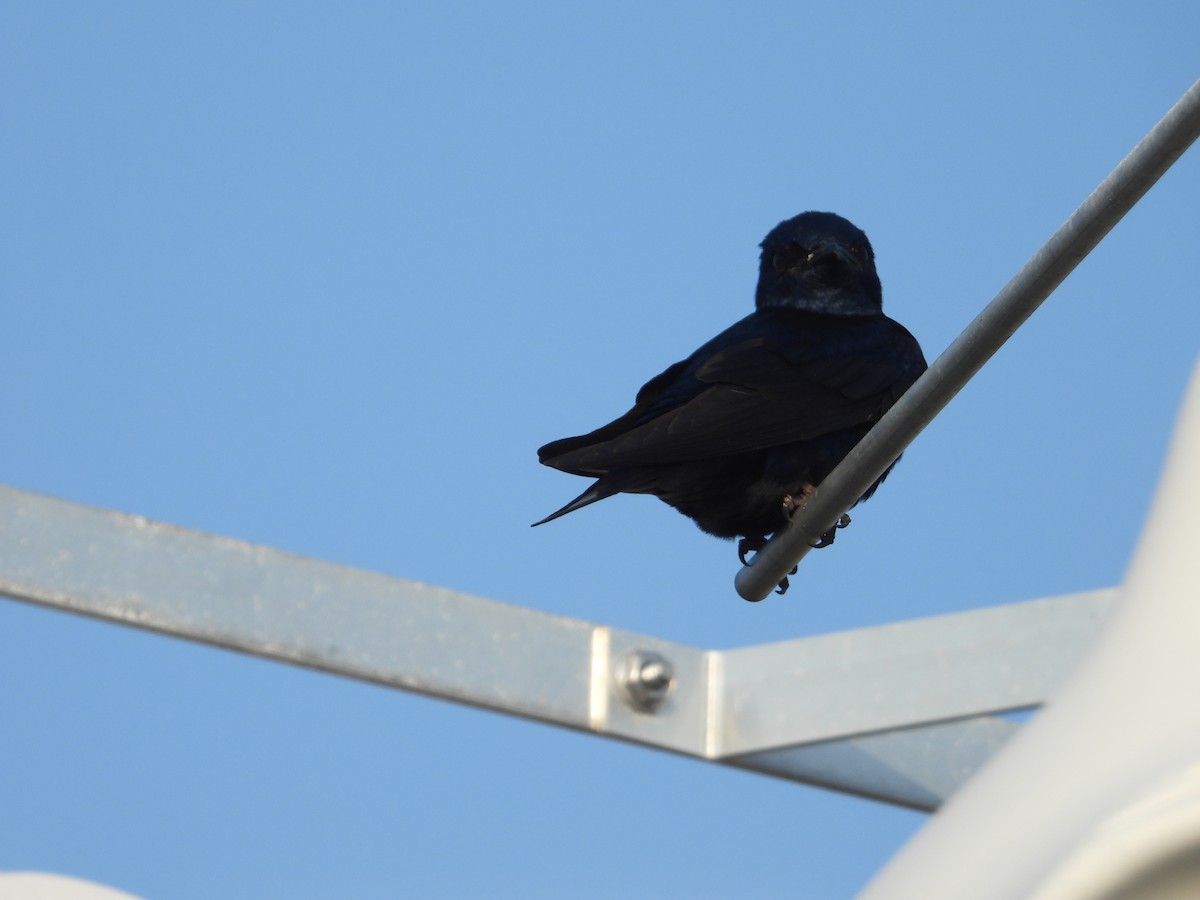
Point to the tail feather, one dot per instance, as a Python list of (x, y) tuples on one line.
[(591, 495)]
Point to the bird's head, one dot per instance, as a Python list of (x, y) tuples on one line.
[(818, 262)]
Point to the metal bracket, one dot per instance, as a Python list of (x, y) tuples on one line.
[(900, 713)]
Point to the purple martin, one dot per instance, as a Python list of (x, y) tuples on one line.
[(738, 435)]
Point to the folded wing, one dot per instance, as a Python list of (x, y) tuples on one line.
[(767, 381)]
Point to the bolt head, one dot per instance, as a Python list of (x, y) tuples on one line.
[(646, 680)]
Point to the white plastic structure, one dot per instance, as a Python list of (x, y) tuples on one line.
[(1099, 797), (44, 886)]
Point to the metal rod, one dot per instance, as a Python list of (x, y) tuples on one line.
[(1074, 239)]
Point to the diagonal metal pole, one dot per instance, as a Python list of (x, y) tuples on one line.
[(1074, 239)]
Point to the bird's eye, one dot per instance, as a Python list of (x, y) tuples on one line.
[(788, 257), (858, 251)]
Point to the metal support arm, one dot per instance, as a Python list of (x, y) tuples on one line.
[(899, 712)]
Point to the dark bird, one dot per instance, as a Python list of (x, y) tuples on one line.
[(739, 434)]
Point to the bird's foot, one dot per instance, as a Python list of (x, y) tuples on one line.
[(753, 545), (750, 545), (783, 585), (792, 502), (827, 538)]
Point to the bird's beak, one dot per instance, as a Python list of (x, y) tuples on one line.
[(827, 251)]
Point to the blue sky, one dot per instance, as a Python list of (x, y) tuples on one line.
[(325, 278)]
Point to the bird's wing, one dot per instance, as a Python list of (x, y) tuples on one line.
[(759, 391), (649, 399)]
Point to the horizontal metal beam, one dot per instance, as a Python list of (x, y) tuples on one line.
[(133, 571), (914, 767), (903, 674), (842, 710), (1075, 238)]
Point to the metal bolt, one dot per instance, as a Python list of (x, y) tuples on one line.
[(646, 680)]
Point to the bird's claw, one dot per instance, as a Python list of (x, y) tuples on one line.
[(750, 545), (753, 545), (792, 502), (827, 538), (783, 585)]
